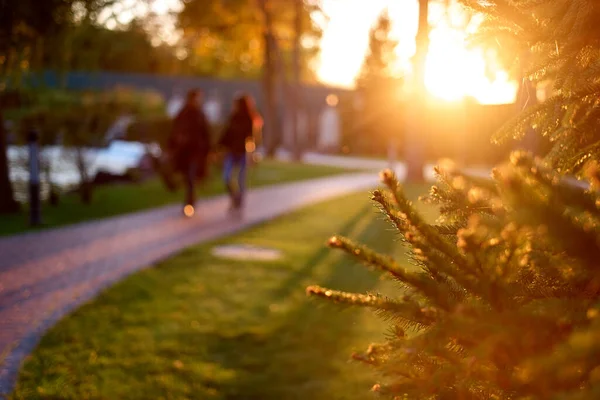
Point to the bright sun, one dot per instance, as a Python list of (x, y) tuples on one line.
[(454, 71)]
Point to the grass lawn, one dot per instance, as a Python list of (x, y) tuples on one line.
[(120, 199), (199, 327)]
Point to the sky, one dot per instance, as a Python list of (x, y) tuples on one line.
[(453, 70), (125, 10), (346, 35)]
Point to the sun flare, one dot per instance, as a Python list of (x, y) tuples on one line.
[(453, 71)]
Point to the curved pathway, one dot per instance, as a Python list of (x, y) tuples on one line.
[(46, 274)]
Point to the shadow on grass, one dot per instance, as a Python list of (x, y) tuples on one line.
[(292, 282), (302, 356)]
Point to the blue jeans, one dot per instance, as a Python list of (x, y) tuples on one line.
[(238, 161), (190, 179)]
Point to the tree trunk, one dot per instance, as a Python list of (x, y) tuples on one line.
[(416, 109), (7, 199), (85, 186), (271, 131), (297, 95)]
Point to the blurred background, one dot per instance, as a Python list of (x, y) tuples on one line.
[(100, 81)]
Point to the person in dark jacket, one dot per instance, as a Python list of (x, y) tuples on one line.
[(189, 146), (239, 140)]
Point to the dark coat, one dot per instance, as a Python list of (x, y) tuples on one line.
[(238, 130), (190, 140)]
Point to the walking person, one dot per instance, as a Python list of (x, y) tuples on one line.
[(189, 146), (239, 139)]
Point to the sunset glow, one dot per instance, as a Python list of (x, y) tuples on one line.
[(453, 71)]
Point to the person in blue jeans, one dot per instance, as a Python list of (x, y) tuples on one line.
[(238, 139)]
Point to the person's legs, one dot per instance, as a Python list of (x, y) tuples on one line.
[(242, 164), (227, 171), (190, 179)]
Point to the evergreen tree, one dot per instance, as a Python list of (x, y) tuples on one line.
[(503, 298), (376, 70), (380, 89)]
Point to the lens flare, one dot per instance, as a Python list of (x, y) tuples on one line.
[(250, 146), (189, 211), (332, 100)]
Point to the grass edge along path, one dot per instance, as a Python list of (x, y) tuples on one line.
[(117, 199), (195, 326)]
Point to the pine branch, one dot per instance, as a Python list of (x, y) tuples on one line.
[(371, 258), (419, 281), (429, 234), (389, 210), (405, 308), (567, 193)]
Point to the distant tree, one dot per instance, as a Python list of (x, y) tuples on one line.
[(32, 36), (26, 24), (22, 24), (380, 89), (7, 200), (415, 111), (82, 121), (91, 47), (377, 68), (226, 39)]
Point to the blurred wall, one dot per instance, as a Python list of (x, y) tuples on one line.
[(457, 130), (464, 131), (313, 96), (461, 131)]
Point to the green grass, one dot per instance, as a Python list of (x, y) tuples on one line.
[(199, 327), (120, 199)]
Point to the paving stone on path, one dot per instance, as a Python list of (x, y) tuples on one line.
[(246, 253)]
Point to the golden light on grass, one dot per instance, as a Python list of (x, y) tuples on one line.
[(189, 211)]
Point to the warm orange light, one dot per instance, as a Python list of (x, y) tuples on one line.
[(332, 100), (189, 211), (250, 146), (454, 71)]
